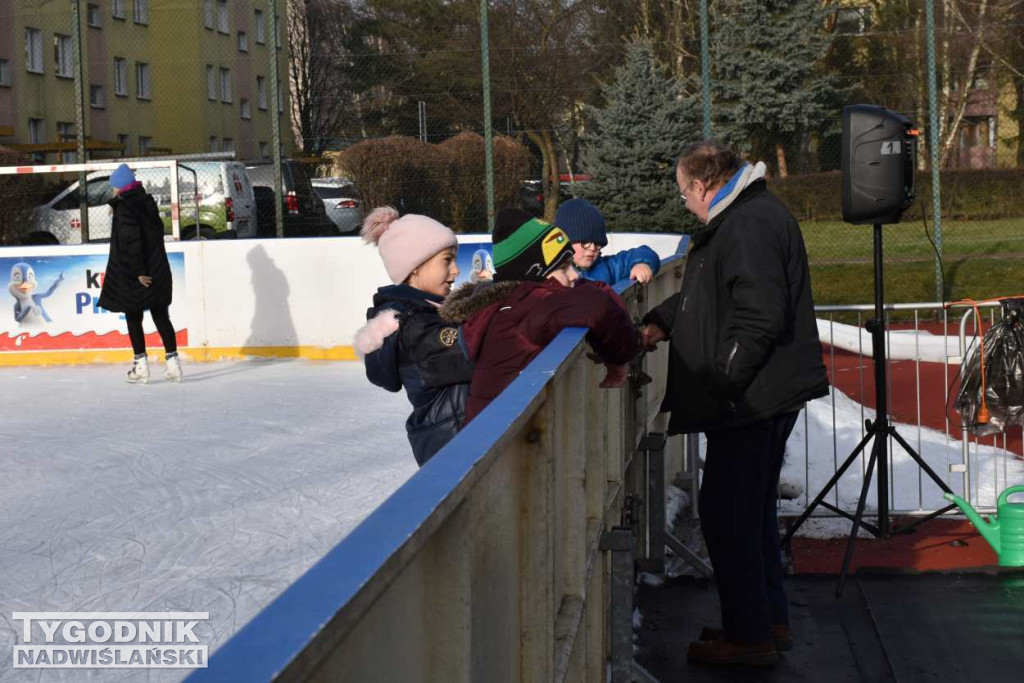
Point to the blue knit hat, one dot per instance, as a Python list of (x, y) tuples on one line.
[(122, 177), (582, 222)]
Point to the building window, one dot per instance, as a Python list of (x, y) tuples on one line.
[(142, 90), (141, 11), (120, 77), (36, 131), (117, 9), (97, 99), (5, 73), (228, 146), (94, 16), (246, 111), (63, 56), (125, 141), (211, 83), (66, 136), (261, 92), (208, 13), (222, 16), (261, 29), (34, 50), (225, 85), (264, 150), (214, 145), (145, 143), (243, 41)]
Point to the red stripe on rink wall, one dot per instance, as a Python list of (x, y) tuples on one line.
[(66, 341)]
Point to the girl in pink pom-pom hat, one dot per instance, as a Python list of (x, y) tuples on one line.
[(405, 343)]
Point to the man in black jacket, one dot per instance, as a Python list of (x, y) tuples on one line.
[(744, 358)]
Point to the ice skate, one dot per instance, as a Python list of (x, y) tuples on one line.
[(173, 371), (139, 372)]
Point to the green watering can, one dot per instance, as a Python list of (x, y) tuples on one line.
[(1005, 533)]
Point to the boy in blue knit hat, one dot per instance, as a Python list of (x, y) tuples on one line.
[(585, 226)]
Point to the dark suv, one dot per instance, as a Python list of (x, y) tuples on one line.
[(304, 213)]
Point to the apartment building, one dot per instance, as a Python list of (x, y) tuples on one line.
[(158, 77)]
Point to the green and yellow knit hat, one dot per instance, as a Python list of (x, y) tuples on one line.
[(527, 248)]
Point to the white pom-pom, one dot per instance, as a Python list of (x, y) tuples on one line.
[(372, 335), (377, 223)]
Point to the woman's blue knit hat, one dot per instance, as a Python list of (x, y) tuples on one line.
[(122, 177), (582, 222)]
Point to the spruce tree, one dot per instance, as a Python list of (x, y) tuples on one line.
[(768, 83), (632, 142)]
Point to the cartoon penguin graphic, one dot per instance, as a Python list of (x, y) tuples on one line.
[(22, 286), (483, 266)]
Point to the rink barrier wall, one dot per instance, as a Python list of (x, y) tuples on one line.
[(294, 298), (486, 565)]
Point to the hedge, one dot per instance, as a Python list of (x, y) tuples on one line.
[(966, 195), (445, 181)]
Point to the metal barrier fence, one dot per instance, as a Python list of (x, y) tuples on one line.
[(508, 557), (926, 343)]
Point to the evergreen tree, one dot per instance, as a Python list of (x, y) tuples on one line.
[(632, 144), (769, 86)]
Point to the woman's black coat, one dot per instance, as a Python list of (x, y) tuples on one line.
[(136, 248)]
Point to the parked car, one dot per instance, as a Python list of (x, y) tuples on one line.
[(531, 194), (342, 203), (226, 204), (304, 212)]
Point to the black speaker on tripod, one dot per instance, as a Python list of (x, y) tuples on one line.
[(879, 152)]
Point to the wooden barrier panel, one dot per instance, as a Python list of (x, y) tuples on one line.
[(487, 564)]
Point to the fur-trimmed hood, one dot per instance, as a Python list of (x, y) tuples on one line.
[(470, 298)]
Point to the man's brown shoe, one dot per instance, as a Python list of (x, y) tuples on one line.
[(781, 634), (738, 654)]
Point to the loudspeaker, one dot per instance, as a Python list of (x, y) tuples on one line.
[(879, 152)]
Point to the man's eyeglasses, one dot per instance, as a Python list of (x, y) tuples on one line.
[(589, 245), (682, 194)]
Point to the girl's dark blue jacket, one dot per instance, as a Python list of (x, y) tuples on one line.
[(425, 357)]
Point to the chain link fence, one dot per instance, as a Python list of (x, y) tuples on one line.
[(381, 101)]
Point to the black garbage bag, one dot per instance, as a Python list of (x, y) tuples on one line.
[(1003, 403)]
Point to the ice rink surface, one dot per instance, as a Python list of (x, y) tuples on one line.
[(207, 496)]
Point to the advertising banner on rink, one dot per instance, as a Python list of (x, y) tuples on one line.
[(52, 304)]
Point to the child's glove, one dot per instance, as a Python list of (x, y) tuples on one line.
[(615, 376)]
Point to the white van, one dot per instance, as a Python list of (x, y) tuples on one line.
[(226, 205)]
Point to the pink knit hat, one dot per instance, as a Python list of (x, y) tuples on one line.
[(405, 243)]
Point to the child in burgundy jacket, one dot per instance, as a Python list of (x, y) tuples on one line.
[(535, 294)]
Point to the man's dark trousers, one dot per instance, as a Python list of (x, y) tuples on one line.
[(738, 516)]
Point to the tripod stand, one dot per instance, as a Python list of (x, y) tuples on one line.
[(878, 431)]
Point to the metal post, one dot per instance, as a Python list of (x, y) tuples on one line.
[(76, 46), (653, 447), (881, 397), (488, 133), (933, 145), (423, 121), (705, 67), (276, 122), (619, 541)]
